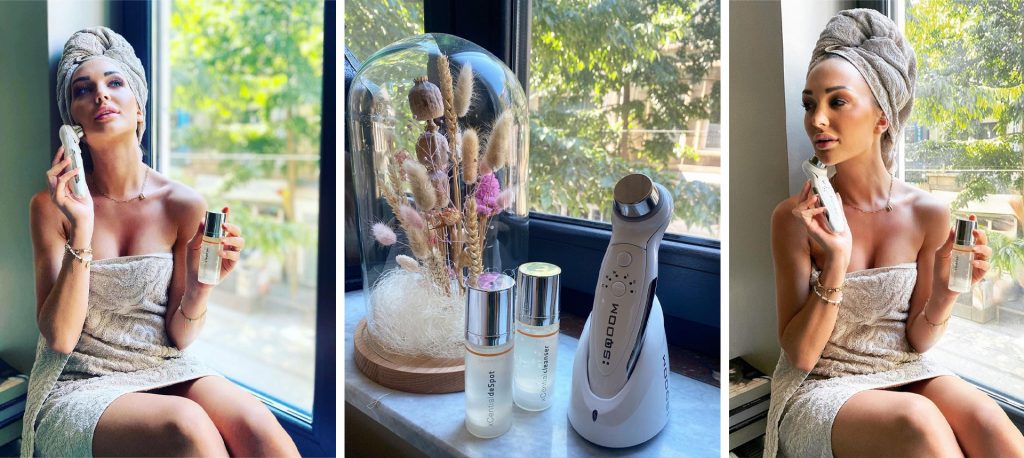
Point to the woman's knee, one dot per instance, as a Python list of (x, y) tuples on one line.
[(920, 422), (188, 425), (255, 422)]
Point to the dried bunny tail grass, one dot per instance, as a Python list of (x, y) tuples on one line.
[(408, 316), (496, 155), (470, 153), (419, 181), (464, 90), (383, 234), (418, 243), (411, 218), (408, 263)]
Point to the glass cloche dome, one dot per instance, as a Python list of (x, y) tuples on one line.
[(439, 147)]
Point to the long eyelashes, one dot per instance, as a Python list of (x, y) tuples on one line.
[(87, 88)]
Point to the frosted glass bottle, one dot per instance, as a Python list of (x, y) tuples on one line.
[(960, 268), (209, 251), (489, 361), (536, 342)]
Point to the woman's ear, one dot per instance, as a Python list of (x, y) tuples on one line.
[(882, 125)]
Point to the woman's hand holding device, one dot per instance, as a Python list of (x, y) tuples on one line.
[(77, 209), (837, 246)]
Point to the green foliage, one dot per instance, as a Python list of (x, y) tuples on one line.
[(584, 54), (970, 91), (373, 24), (248, 74)]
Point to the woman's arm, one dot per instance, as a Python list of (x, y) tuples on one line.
[(931, 303), (185, 292), (187, 297), (61, 281), (805, 319)]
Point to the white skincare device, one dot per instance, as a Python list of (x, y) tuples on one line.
[(834, 216), (620, 373), (69, 136)]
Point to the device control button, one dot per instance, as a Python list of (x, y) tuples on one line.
[(618, 289), (624, 259)]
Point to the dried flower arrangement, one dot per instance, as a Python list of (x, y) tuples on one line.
[(454, 193)]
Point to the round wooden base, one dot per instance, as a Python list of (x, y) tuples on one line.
[(403, 373)]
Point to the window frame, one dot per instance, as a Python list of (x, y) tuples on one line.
[(689, 266), (315, 434), (1012, 405)]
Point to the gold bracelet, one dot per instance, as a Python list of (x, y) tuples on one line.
[(817, 282), (836, 302), (943, 323), (83, 255), (188, 319)]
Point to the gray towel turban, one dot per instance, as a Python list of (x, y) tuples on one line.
[(873, 44), (93, 43)]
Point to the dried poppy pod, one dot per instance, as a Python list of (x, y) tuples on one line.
[(432, 150), (425, 100)]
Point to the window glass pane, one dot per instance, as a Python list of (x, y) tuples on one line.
[(963, 144), (373, 24), (624, 87), (244, 129)]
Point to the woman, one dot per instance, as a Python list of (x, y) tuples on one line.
[(117, 290), (857, 309)]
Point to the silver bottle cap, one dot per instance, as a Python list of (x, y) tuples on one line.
[(965, 231), (214, 221), (537, 293), (635, 196), (489, 310)]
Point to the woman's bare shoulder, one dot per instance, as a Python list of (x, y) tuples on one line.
[(184, 202), (926, 207), (41, 207), (782, 215)]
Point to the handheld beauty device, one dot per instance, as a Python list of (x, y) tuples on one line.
[(834, 216), (69, 138), (620, 372)]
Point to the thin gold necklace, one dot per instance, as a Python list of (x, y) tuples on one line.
[(142, 191), (888, 201)]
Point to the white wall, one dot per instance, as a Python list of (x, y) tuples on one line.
[(802, 22), (770, 44), (24, 157), (33, 34), (758, 175)]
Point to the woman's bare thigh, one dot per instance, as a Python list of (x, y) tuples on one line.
[(980, 425), (889, 423), (148, 424)]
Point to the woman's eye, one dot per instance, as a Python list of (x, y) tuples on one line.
[(838, 102), (807, 105), (117, 83), (80, 90)]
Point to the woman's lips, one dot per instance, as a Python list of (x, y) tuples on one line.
[(825, 144), (106, 115)]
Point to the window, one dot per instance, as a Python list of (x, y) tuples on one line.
[(241, 119), (625, 87), (964, 145), (373, 24)]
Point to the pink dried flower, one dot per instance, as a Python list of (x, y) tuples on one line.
[(383, 234), (411, 217), (487, 195), (407, 263)]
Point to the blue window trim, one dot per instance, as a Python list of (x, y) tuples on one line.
[(314, 435)]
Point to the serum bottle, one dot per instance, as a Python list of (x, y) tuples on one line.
[(536, 340), (489, 355), (209, 252), (960, 262)]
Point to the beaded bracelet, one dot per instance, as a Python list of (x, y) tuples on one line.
[(83, 255), (836, 302)]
